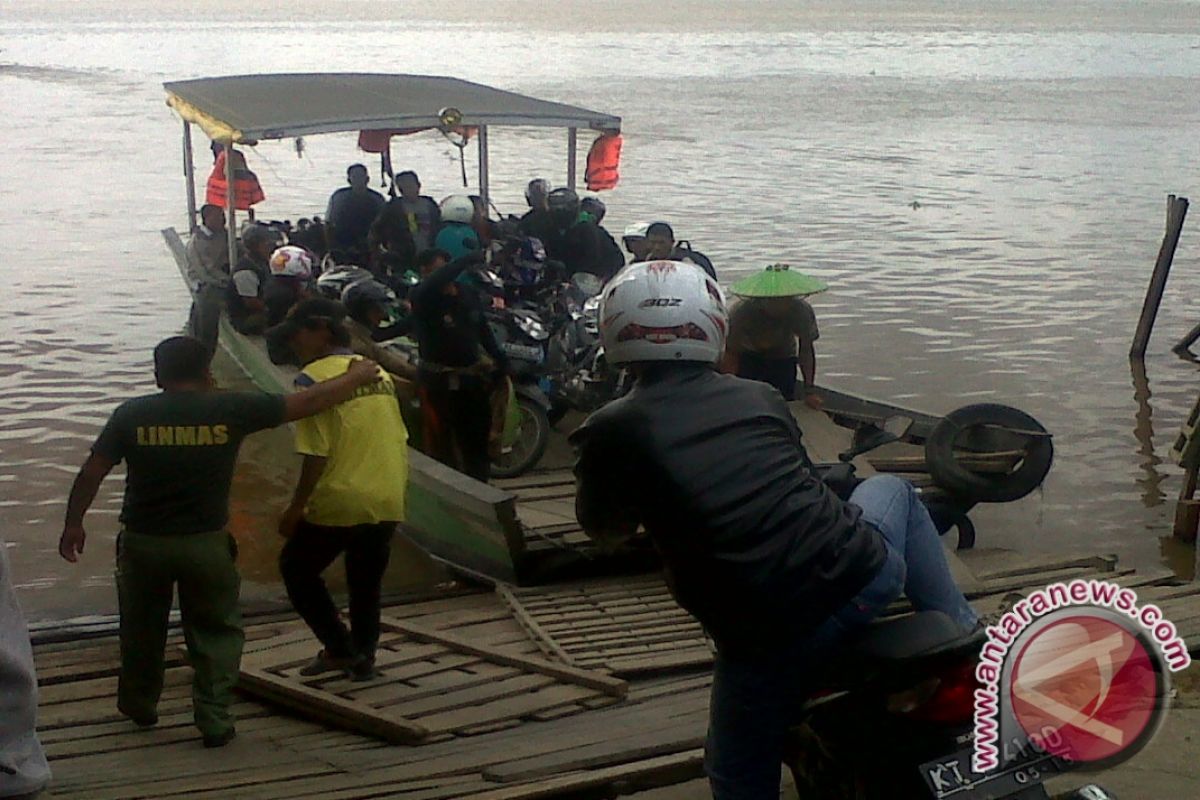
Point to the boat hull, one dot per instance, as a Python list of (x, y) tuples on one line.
[(457, 519)]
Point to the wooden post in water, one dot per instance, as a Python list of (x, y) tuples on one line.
[(1176, 211), (1186, 452)]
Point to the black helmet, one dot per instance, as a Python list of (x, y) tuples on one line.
[(361, 297), (333, 282), (259, 234), (564, 206), (594, 207)]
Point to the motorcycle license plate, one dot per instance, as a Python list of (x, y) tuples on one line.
[(952, 777), (523, 351)]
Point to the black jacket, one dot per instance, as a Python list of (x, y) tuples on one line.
[(451, 329), (755, 545)]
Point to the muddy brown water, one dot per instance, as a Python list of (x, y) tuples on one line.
[(982, 185)]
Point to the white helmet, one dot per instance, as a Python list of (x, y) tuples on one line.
[(663, 311), (636, 231), (291, 261), (458, 208)]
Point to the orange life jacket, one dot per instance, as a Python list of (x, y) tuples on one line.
[(603, 161), (245, 183)]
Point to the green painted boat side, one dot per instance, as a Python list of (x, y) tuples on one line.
[(455, 518)]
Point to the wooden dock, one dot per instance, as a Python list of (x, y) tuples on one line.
[(588, 687), (492, 727)]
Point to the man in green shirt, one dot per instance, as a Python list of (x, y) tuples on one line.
[(180, 447)]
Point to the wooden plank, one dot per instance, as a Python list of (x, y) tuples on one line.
[(556, 491), (522, 705), (1028, 566), (1042, 578), (535, 479), (999, 461), (680, 736), (684, 763), (641, 666), (686, 631), (603, 683), (338, 710), (492, 690)]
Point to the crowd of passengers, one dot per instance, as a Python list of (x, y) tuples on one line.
[(408, 238)]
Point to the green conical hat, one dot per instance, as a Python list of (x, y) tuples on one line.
[(778, 280)]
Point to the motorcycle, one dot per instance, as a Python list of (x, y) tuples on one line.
[(522, 337), (908, 683), (553, 350)]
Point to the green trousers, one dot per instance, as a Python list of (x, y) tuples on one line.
[(204, 567)]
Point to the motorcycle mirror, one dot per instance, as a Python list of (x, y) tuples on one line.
[(898, 425), (877, 435)]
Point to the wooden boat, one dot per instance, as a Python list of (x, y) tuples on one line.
[(464, 522), (522, 530)]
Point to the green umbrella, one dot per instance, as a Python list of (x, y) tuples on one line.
[(778, 280)]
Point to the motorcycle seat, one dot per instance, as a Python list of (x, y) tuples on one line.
[(924, 634)]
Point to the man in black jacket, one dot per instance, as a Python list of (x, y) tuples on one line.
[(775, 566), (460, 366)]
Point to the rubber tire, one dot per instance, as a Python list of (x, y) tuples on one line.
[(979, 487), (542, 424)]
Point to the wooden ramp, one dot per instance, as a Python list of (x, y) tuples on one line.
[(584, 740), (650, 738), (431, 684), (627, 626)]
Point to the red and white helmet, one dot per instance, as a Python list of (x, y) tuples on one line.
[(291, 261), (663, 311)]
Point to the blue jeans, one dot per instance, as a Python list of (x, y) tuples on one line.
[(754, 699)]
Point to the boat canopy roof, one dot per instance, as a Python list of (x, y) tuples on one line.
[(246, 108)]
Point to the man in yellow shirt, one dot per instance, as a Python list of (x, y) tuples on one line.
[(350, 496)]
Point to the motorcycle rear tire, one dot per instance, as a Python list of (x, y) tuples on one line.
[(533, 434)]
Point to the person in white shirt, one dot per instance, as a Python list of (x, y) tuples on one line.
[(23, 769)]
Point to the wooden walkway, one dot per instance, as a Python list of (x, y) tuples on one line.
[(494, 740), (508, 695)]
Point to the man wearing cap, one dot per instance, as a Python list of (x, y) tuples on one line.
[(244, 298), (180, 447), (772, 328), (350, 495), (634, 240)]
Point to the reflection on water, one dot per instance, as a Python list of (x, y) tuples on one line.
[(980, 184), (1143, 430)]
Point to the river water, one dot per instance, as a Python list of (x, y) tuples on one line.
[(982, 184)]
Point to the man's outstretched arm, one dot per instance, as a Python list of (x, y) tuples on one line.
[(327, 394)]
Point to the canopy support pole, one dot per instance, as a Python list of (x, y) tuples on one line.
[(572, 148), (189, 175), (230, 206), (483, 167)]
